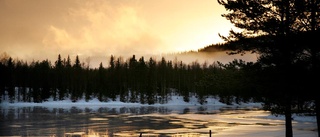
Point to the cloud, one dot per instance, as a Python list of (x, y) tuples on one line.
[(81, 27), (42, 29)]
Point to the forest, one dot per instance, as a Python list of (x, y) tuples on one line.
[(133, 80)]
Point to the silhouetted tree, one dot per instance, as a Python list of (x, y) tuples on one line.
[(151, 81), (112, 86), (278, 22), (102, 82), (21, 76), (2, 80), (142, 72), (59, 78), (77, 80), (132, 78), (162, 66), (10, 80)]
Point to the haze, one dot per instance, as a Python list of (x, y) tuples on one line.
[(96, 29)]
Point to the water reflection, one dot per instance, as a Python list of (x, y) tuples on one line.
[(175, 121)]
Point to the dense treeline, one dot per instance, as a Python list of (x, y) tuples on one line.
[(133, 80)]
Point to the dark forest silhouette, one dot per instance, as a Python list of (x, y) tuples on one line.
[(147, 81)]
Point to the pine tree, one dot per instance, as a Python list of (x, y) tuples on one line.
[(131, 77), (60, 77), (77, 84), (152, 81), (102, 91), (2, 80), (142, 79), (112, 87), (277, 23), (10, 80)]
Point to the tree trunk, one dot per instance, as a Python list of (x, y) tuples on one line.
[(315, 61), (318, 114), (288, 118)]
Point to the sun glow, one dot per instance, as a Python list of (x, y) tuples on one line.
[(100, 28)]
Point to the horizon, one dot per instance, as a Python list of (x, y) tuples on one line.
[(186, 58)]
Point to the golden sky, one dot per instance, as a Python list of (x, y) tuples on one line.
[(42, 29)]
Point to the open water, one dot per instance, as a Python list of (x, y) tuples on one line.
[(148, 121)]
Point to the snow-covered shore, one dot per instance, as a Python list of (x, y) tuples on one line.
[(174, 100)]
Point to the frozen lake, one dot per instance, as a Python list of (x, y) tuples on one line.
[(151, 121)]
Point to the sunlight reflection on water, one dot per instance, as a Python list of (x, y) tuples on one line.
[(150, 121)]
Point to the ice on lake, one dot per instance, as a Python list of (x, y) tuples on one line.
[(174, 119)]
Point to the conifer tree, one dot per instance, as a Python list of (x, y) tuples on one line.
[(102, 91), (152, 82), (2, 80), (132, 79), (279, 22), (112, 87), (10, 82), (162, 80), (142, 79), (76, 90)]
